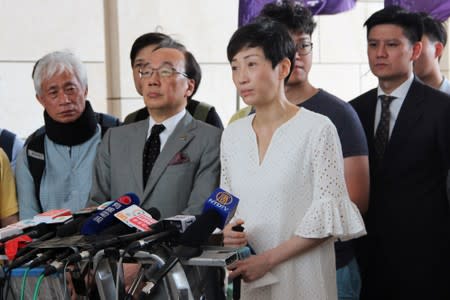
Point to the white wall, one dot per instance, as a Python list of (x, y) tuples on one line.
[(101, 33)]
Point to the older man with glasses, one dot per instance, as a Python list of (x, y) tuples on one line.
[(300, 91), (169, 160), (172, 159)]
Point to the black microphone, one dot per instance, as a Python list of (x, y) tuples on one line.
[(116, 241), (73, 227), (42, 258), (44, 237), (197, 234), (33, 232), (24, 259), (163, 230), (58, 264), (217, 211), (39, 232)]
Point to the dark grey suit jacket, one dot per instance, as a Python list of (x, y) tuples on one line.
[(184, 175), (406, 252)]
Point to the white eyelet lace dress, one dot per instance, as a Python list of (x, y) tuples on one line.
[(298, 189)]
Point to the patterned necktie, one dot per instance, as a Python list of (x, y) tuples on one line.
[(151, 151), (382, 133)]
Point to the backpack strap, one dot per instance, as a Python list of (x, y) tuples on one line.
[(138, 115), (35, 150), (201, 111), (7, 139), (34, 147), (106, 121)]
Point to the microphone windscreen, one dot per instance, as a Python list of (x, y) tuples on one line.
[(118, 229), (73, 227), (105, 218), (154, 212), (199, 232), (39, 230)]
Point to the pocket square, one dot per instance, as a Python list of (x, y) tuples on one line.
[(179, 158)]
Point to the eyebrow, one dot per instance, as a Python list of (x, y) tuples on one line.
[(384, 40), (139, 59), (248, 56), (167, 63)]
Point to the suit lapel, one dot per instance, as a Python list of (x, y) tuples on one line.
[(368, 117), (409, 114), (177, 141), (136, 143)]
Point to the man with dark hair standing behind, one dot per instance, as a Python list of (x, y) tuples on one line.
[(426, 67), (407, 124), (142, 47), (300, 24)]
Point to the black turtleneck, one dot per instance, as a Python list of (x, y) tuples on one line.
[(74, 133)]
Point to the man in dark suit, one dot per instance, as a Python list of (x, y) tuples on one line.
[(186, 170), (406, 254)]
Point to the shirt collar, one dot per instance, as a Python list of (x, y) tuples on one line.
[(401, 91), (169, 123)]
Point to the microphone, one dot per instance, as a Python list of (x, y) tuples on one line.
[(122, 228), (105, 218), (74, 226), (18, 246), (117, 241), (33, 231), (58, 264), (167, 228), (121, 240), (42, 258), (218, 209), (71, 228), (197, 234), (23, 259), (223, 203)]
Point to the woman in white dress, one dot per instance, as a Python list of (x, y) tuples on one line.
[(285, 164)]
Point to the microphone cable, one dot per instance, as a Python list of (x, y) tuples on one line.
[(38, 286), (24, 281), (65, 279), (7, 284)]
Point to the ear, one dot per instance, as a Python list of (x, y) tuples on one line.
[(417, 49), (190, 88), (86, 92), (40, 99), (284, 66), (438, 49)]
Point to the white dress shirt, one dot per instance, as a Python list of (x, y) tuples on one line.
[(169, 124), (396, 104)]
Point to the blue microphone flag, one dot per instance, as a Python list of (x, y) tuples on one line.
[(222, 202)]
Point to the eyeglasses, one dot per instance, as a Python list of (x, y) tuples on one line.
[(164, 71), (303, 48)]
